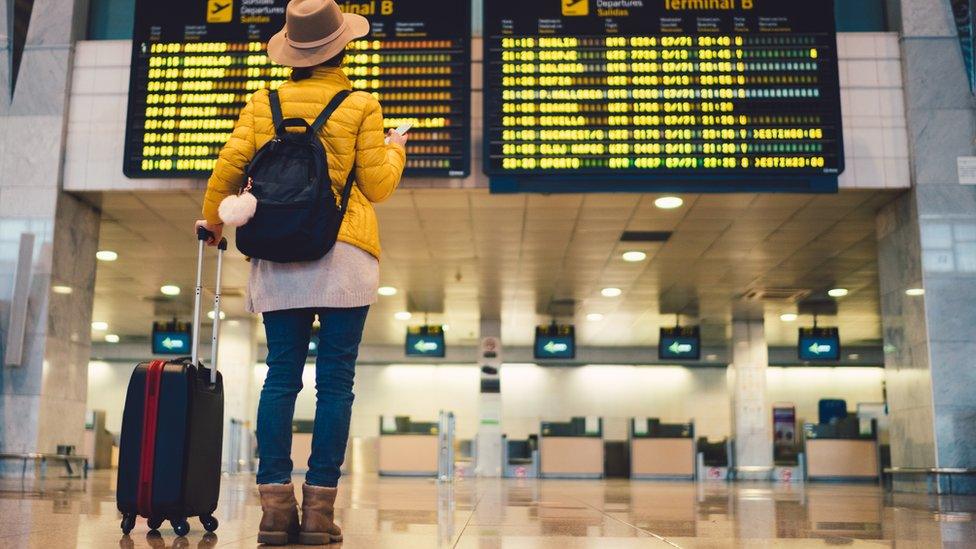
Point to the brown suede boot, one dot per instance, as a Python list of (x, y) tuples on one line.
[(279, 524), (318, 516)]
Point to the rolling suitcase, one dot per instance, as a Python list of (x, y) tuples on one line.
[(172, 431)]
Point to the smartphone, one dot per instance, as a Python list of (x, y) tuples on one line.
[(402, 130)]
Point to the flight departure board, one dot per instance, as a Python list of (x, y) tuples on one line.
[(722, 94), (195, 63)]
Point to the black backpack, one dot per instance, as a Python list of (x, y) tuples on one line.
[(298, 216)]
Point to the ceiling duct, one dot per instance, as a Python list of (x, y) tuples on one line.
[(818, 307), (562, 308), (788, 295), (646, 236)]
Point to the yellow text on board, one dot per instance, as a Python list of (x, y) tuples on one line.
[(576, 7), (709, 4), (373, 7), (220, 11)]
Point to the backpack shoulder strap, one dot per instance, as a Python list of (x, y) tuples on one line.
[(276, 116), (347, 192), (329, 109)]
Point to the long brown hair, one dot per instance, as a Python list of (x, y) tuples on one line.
[(304, 73)]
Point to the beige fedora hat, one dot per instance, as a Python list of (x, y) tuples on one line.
[(315, 31)]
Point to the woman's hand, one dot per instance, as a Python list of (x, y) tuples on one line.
[(397, 139), (216, 231)]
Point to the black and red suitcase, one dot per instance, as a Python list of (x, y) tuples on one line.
[(172, 432)]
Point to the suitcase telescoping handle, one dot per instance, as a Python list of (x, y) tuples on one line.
[(203, 235)]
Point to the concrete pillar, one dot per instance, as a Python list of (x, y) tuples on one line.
[(236, 356), (752, 425), (488, 445), (43, 399), (927, 241)]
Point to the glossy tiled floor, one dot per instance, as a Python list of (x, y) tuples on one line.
[(403, 514)]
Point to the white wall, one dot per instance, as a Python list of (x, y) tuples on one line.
[(806, 386), (532, 393), (107, 385)]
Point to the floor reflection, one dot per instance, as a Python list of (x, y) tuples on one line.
[(406, 513)]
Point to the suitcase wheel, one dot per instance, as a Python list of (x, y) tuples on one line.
[(154, 523), (209, 523), (128, 523), (180, 526)]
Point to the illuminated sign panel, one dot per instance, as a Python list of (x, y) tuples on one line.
[(195, 63), (685, 94), (171, 338), (819, 344), (426, 341), (555, 342), (682, 343)]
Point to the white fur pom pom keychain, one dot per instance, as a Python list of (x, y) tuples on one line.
[(236, 211)]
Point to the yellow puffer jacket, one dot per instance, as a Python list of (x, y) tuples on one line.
[(354, 134)]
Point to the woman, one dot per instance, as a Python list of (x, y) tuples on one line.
[(338, 289)]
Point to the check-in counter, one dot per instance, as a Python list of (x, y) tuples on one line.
[(408, 449), (661, 451), (572, 450), (301, 443), (521, 457), (834, 452)]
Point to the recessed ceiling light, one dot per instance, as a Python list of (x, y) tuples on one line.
[(106, 255), (111, 338), (669, 202), (210, 315), (170, 289), (788, 317), (634, 256), (594, 317), (99, 326), (838, 292), (63, 290), (387, 291), (611, 292), (403, 315), (915, 292)]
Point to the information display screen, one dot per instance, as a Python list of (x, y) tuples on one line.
[(682, 93), (195, 63), (555, 342), (819, 344), (426, 341), (171, 338), (681, 343)]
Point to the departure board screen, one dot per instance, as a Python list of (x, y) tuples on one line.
[(725, 91), (195, 63)]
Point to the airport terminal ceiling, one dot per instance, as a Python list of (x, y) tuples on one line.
[(459, 255)]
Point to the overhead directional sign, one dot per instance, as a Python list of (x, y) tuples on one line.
[(819, 344), (426, 341), (679, 343), (171, 338), (555, 342)]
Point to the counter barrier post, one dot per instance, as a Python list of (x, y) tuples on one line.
[(445, 461)]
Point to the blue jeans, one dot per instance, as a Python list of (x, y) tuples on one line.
[(288, 334)]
